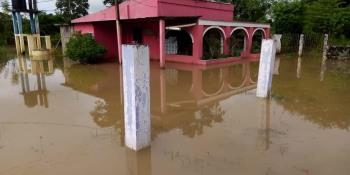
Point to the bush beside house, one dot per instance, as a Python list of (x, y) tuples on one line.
[(84, 49)]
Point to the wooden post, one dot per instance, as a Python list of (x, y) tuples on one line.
[(38, 41), (118, 31), (48, 43), (301, 45), (18, 45), (22, 44), (30, 40), (267, 61), (136, 78)]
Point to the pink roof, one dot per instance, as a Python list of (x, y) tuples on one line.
[(134, 9)]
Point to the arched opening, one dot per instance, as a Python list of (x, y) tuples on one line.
[(238, 42), (258, 36), (178, 42), (213, 43)]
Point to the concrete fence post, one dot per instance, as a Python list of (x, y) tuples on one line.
[(301, 45), (277, 38), (136, 80), (325, 47), (267, 61)]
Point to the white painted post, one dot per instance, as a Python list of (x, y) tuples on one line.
[(136, 75), (301, 45), (267, 61), (325, 48), (277, 38)]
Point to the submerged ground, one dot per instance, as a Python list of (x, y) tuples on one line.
[(59, 118)]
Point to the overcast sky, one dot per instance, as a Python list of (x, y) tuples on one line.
[(50, 5)]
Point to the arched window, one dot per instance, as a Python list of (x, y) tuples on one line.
[(238, 41), (213, 43), (258, 36)]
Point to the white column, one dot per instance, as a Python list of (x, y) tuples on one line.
[(136, 75), (301, 45), (267, 61)]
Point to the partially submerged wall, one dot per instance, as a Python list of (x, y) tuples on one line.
[(338, 52)]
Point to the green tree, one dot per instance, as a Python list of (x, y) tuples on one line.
[(328, 16), (5, 6), (72, 9), (288, 16)]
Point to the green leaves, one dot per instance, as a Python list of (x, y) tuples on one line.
[(312, 16), (83, 48), (72, 9)]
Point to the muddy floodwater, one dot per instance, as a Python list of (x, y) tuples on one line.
[(58, 118)]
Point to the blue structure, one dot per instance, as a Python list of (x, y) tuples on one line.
[(19, 6)]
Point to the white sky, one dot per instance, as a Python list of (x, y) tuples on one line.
[(50, 5)]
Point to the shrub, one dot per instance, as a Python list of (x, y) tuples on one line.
[(83, 48)]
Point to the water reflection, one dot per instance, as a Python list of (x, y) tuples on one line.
[(322, 102), (139, 163), (37, 94), (182, 98), (204, 120)]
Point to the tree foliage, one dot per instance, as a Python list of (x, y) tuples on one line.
[(72, 9), (251, 10), (312, 16)]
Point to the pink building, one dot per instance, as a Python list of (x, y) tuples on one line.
[(186, 31)]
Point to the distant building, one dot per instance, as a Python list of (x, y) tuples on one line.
[(175, 30)]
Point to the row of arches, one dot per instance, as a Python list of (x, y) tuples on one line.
[(180, 42), (214, 38)]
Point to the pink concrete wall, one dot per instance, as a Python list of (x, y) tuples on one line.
[(105, 34), (205, 9), (84, 28), (150, 35), (133, 9)]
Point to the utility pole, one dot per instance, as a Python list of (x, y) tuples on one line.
[(70, 10), (118, 30)]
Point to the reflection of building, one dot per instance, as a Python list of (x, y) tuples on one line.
[(34, 94), (184, 97)]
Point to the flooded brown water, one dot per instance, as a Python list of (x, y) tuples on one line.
[(58, 118)]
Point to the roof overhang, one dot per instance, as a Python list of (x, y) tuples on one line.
[(232, 24)]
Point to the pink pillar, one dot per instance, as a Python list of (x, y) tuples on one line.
[(249, 42), (119, 41), (226, 40), (198, 42), (267, 31), (162, 43)]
